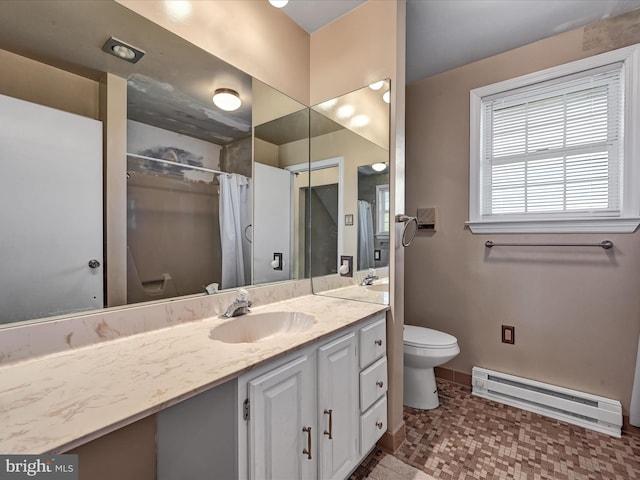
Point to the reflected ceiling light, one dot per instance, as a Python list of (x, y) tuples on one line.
[(278, 3), (377, 85), (122, 50), (360, 120), (227, 99), (328, 104), (379, 167), (387, 96), (177, 10), (345, 111)]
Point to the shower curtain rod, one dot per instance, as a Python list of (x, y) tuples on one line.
[(177, 164)]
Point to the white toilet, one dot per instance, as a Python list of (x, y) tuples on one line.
[(424, 349)]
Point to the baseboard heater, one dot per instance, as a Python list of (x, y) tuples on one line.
[(590, 411)]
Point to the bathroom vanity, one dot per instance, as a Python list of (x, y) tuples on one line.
[(197, 386), (314, 413)]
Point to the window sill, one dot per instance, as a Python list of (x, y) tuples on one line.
[(605, 225)]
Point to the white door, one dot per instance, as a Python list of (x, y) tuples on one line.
[(338, 409), (282, 428), (272, 218), (50, 211)]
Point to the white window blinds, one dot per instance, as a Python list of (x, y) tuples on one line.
[(554, 148)]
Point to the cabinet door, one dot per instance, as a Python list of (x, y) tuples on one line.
[(338, 410), (282, 427)]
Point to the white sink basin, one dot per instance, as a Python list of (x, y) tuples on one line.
[(255, 327), (379, 287)]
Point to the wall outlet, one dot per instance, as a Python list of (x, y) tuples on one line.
[(346, 266), (508, 334)]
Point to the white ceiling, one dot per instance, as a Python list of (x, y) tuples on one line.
[(445, 34)]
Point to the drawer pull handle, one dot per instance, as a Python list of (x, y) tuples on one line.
[(307, 451), (378, 342), (379, 425), (330, 413), (380, 383)]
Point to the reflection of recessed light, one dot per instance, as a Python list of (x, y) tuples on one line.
[(122, 50), (345, 111), (278, 3), (379, 167), (387, 96), (227, 99), (178, 10), (360, 120), (377, 85), (328, 104)]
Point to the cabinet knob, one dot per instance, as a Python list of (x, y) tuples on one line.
[(379, 425), (378, 342), (380, 383)]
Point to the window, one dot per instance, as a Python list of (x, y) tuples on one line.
[(382, 209), (556, 151)]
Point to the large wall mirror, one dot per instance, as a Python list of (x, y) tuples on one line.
[(212, 195), (348, 195)]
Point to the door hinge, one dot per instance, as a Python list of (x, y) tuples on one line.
[(246, 406)]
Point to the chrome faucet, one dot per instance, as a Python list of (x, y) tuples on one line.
[(371, 276), (240, 306)]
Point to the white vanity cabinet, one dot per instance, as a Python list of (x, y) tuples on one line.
[(311, 414), (373, 383), (338, 425), (282, 422)]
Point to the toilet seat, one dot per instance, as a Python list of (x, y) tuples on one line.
[(421, 337)]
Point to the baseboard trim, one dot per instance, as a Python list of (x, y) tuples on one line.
[(454, 376), (392, 441)]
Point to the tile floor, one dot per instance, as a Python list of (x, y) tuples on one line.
[(472, 438)]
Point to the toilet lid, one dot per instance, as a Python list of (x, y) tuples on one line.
[(427, 337)]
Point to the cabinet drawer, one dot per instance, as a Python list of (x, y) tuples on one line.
[(373, 383), (373, 341), (373, 424)]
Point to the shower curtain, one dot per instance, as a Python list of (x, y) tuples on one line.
[(365, 236), (235, 217)]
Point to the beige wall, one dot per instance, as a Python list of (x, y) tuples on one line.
[(250, 35), (576, 312), (36, 82), (354, 50)]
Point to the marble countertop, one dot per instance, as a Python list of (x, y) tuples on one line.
[(53, 403), (362, 293)]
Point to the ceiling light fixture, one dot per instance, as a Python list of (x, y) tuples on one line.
[(122, 50), (379, 167), (227, 99), (278, 3), (377, 85), (387, 96)]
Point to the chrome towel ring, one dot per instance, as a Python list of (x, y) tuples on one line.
[(407, 220)]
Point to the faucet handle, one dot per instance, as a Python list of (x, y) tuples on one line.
[(242, 295)]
